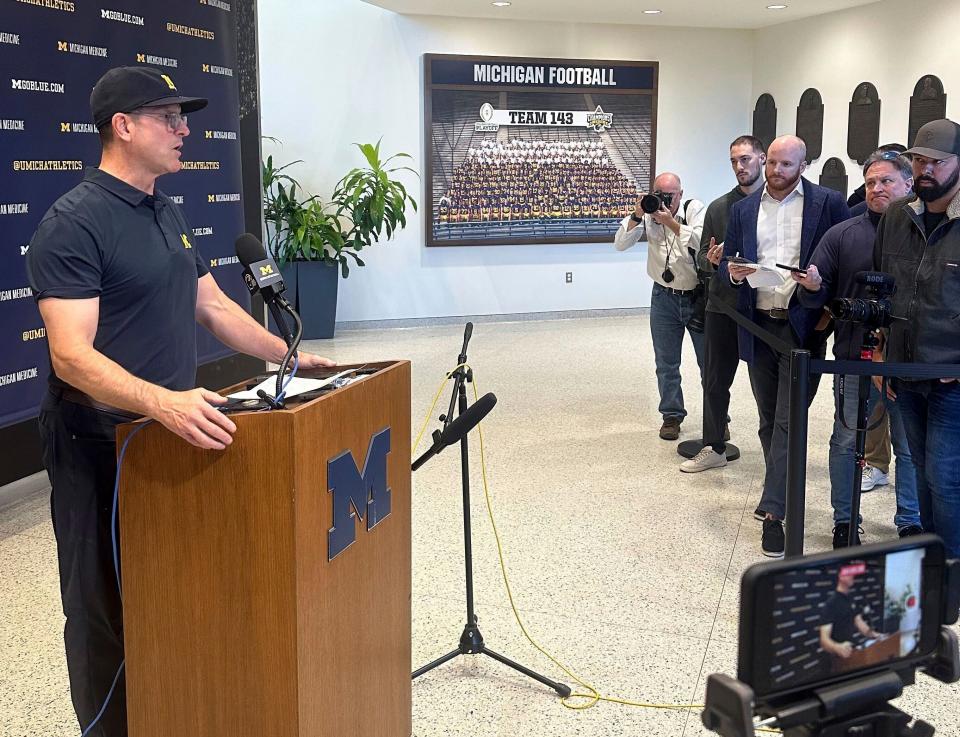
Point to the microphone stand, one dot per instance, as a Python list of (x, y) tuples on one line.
[(292, 341), (471, 640)]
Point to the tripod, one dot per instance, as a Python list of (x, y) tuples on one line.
[(471, 640), (868, 346)]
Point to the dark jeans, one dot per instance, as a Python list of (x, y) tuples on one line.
[(670, 314), (770, 381), (79, 453), (843, 456), (931, 418), (719, 370)]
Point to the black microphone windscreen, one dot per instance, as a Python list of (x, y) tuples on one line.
[(249, 249), (457, 429), (875, 278)]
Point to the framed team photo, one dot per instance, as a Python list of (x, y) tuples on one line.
[(526, 151)]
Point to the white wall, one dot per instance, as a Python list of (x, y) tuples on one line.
[(338, 71), (891, 44)]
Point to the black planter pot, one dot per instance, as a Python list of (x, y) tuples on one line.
[(312, 290)]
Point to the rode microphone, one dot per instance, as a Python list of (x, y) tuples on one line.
[(261, 274), (459, 428)]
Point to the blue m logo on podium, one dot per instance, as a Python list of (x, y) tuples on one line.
[(355, 494)]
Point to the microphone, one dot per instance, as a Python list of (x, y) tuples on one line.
[(261, 274), (459, 428), (878, 281)]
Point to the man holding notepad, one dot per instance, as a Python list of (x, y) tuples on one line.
[(777, 226)]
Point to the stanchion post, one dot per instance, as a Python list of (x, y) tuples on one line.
[(797, 451)]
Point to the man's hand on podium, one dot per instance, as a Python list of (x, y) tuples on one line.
[(193, 415), (313, 361)]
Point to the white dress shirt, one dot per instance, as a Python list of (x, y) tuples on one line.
[(779, 226), (663, 244)]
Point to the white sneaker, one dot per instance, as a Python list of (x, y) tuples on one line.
[(705, 459), (873, 477)]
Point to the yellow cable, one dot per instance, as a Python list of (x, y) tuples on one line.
[(594, 696)]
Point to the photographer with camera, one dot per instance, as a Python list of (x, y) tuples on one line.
[(918, 243), (672, 227), (845, 250)]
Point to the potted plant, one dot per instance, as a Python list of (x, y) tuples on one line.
[(893, 610), (313, 241)]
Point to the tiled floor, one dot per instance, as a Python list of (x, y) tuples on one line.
[(625, 569)]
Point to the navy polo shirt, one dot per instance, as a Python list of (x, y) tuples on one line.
[(107, 239)]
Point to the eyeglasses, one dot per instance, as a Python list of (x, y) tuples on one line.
[(174, 120)]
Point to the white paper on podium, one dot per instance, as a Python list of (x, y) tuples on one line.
[(295, 387)]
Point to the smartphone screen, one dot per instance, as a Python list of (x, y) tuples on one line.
[(820, 619)]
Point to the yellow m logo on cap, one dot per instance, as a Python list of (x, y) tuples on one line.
[(213, 263), (64, 127), (169, 82), (206, 67), (186, 243), (142, 58), (266, 270), (62, 46), (210, 198)]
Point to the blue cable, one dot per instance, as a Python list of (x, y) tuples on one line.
[(116, 565), (283, 390)]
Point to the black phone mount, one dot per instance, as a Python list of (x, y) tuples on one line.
[(855, 707)]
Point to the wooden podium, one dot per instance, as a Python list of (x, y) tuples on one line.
[(236, 621)]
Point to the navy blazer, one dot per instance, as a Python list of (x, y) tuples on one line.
[(822, 209)]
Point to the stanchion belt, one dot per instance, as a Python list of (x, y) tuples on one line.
[(780, 346), (914, 371)]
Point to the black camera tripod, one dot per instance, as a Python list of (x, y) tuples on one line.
[(471, 640), (861, 427)]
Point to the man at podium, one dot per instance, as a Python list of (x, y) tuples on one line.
[(120, 288), (841, 619)]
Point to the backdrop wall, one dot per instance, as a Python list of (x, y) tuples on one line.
[(346, 71), (888, 43)]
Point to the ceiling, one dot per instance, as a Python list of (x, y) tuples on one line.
[(683, 13)]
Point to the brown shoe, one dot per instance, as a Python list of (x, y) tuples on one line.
[(670, 429)]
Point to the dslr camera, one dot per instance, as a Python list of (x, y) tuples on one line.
[(871, 313), (652, 201), (827, 640)]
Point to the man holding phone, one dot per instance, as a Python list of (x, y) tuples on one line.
[(747, 157), (782, 223)]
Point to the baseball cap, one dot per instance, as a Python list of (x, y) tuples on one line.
[(124, 89), (938, 139)]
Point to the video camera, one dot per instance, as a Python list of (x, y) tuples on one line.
[(827, 640), (652, 202), (872, 313)]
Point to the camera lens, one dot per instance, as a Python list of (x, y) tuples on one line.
[(649, 203), (667, 276)]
